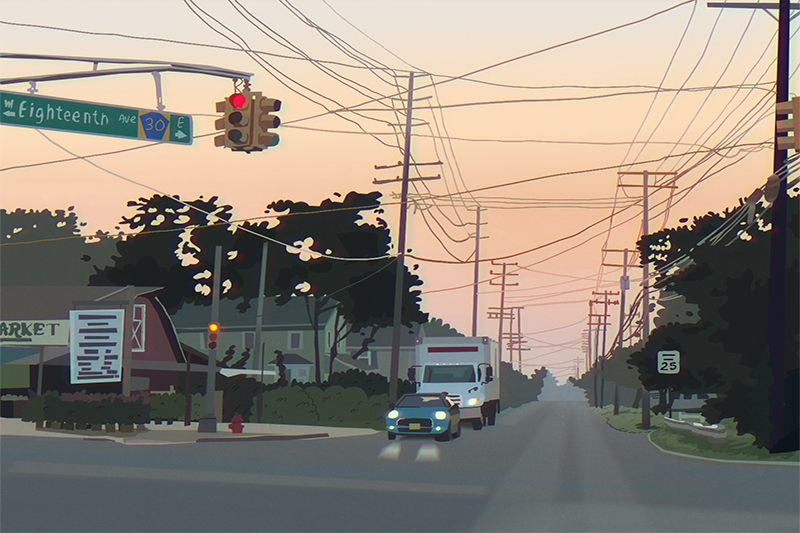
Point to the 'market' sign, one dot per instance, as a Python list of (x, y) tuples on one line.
[(34, 332), (19, 109)]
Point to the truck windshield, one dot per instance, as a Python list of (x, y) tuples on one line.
[(449, 374)]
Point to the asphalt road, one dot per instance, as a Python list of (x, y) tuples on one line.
[(553, 466)]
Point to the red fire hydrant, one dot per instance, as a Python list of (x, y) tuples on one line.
[(236, 423)]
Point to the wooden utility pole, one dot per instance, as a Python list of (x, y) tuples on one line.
[(399, 286), (258, 353), (624, 285), (502, 311), (597, 363), (606, 302), (515, 340), (783, 390), (477, 270), (646, 271)]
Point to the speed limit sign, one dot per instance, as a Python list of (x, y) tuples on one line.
[(669, 362)]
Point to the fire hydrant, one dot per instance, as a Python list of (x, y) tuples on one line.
[(236, 423)]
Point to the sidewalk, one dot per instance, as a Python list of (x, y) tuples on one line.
[(177, 433)]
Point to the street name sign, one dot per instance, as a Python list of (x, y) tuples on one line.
[(19, 109), (669, 362)]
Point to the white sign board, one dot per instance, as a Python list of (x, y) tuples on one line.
[(34, 332), (96, 345), (669, 362)]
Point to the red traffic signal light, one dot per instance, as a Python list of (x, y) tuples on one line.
[(213, 329), (237, 100)]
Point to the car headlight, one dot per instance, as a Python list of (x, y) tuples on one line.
[(394, 413), (440, 415), (473, 401)]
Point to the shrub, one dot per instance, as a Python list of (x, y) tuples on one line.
[(289, 405), (34, 410)]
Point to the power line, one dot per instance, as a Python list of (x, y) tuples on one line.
[(517, 58)]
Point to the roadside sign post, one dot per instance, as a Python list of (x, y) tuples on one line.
[(669, 362), (26, 110)]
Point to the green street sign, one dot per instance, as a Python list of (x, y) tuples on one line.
[(20, 109)]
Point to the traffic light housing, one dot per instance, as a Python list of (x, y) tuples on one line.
[(790, 125), (246, 122), (237, 121), (213, 332), (266, 121)]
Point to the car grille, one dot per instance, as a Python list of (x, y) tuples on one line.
[(404, 425), (455, 398)]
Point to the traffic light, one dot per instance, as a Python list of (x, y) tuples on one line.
[(213, 331), (265, 106), (236, 122), (790, 125)]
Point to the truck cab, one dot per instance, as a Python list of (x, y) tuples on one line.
[(464, 368)]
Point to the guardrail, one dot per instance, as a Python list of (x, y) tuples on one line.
[(715, 433)]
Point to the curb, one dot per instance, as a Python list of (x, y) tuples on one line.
[(727, 461), (266, 437)]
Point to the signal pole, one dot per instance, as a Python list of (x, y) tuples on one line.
[(208, 424)]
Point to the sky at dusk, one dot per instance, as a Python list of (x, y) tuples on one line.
[(531, 114)]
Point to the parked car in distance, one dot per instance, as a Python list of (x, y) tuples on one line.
[(424, 414)]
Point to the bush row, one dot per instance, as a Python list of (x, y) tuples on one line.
[(332, 406), (96, 409)]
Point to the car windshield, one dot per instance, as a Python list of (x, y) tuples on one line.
[(420, 401), (449, 374)]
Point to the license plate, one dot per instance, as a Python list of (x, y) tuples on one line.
[(414, 426)]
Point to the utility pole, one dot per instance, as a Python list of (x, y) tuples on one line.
[(776, 332), (515, 341), (585, 340), (258, 352), (476, 275), (606, 302), (208, 424), (597, 360), (394, 365), (646, 271), (624, 285), (502, 311)]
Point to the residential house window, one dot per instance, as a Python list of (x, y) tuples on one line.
[(370, 357), (295, 340), (138, 327), (300, 374)]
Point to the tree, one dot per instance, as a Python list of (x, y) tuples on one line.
[(721, 266), (174, 249), (360, 292), (56, 255)]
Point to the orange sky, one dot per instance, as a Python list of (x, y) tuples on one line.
[(443, 38)]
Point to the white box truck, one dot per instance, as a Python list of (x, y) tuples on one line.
[(466, 368)]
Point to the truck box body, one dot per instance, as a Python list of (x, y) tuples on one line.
[(466, 368)]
